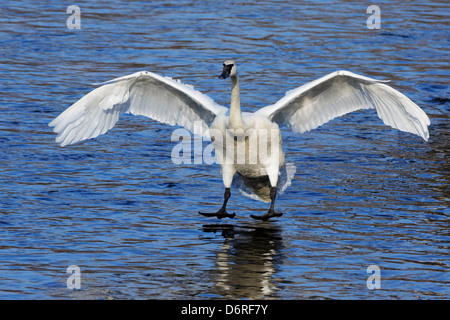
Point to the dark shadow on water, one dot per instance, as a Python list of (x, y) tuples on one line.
[(247, 260)]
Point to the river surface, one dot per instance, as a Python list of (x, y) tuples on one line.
[(120, 210)]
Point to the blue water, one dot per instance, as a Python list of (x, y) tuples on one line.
[(117, 207)]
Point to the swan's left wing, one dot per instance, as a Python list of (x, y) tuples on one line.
[(142, 93), (339, 93)]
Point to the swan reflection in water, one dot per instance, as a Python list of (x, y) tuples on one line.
[(247, 261)]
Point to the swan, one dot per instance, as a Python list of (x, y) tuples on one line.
[(302, 109)]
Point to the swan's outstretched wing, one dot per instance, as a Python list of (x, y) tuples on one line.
[(339, 93), (142, 93)]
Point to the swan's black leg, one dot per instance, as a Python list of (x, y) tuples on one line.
[(271, 213), (222, 213)]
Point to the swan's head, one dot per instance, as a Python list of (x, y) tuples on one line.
[(229, 69)]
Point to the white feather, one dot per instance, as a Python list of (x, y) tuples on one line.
[(142, 93), (339, 93)]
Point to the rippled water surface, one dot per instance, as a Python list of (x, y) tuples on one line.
[(117, 207)]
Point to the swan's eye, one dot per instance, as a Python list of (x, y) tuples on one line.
[(228, 67)]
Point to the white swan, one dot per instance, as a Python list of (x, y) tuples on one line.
[(302, 109)]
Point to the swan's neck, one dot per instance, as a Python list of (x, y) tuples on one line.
[(235, 108)]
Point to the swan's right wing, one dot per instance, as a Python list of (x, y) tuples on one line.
[(142, 93), (339, 93)]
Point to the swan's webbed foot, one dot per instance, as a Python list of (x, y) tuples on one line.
[(271, 213), (267, 216), (222, 213)]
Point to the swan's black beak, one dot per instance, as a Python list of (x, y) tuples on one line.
[(226, 71), (224, 75)]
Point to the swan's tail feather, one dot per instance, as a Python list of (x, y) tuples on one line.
[(286, 175), (259, 188)]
